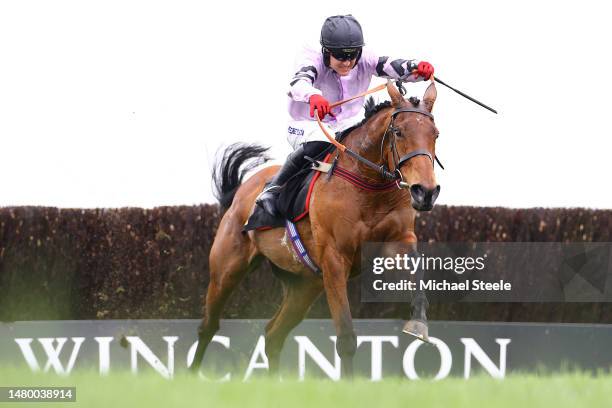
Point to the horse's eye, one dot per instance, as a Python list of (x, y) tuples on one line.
[(397, 132)]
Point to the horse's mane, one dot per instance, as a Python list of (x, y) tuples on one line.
[(371, 108)]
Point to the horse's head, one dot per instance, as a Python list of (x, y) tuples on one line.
[(411, 145)]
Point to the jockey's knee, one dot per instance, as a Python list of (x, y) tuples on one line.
[(313, 149)]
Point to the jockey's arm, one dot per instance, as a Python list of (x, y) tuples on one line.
[(396, 68), (301, 85)]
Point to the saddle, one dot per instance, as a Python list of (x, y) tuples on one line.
[(293, 201)]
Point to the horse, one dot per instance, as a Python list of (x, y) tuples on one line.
[(341, 217)]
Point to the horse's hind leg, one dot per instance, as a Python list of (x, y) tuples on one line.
[(298, 295), (230, 261)]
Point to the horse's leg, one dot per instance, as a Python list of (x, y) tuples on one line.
[(417, 325), (298, 295), (229, 263), (336, 270)]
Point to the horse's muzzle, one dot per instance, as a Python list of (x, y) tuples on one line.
[(423, 199)]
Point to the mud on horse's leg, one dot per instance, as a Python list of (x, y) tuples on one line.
[(335, 276)]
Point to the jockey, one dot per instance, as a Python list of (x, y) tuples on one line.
[(343, 68)]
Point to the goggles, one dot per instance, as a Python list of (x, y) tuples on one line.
[(344, 54)]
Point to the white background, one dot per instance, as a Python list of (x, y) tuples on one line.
[(124, 103)]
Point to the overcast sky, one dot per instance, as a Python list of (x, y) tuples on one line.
[(124, 103)]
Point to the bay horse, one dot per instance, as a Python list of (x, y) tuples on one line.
[(341, 217)]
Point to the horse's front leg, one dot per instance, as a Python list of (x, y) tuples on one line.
[(336, 268), (417, 325)]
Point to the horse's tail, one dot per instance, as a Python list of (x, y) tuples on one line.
[(229, 170)]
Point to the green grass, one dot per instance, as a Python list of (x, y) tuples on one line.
[(151, 391)]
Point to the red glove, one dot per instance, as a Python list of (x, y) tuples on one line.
[(321, 104), (425, 69)]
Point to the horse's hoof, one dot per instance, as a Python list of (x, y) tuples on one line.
[(417, 329)]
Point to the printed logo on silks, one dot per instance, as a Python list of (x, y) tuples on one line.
[(295, 131)]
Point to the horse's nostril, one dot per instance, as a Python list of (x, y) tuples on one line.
[(423, 198), (417, 191), (436, 192)]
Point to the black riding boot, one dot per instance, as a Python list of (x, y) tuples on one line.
[(295, 161)]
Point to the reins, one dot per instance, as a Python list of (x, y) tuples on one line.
[(369, 91), (398, 162)]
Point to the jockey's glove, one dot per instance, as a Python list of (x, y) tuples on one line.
[(425, 69), (321, 104)]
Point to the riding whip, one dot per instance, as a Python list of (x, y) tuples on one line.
[(435, 78), (464, 95)]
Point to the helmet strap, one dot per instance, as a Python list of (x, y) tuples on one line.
[(326, 55), (358, 56)]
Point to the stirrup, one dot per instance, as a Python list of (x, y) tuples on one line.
[(270, 190), (267, 199)]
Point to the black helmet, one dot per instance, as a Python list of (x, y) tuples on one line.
[(341, 32)]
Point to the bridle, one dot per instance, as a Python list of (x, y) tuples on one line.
[(398, 161)]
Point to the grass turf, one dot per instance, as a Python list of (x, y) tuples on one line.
[(151, 391)]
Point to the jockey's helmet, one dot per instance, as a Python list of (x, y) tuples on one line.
[(342, 37)]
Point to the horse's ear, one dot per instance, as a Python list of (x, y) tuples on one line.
[(396, 97), (430, 96)]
